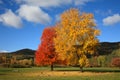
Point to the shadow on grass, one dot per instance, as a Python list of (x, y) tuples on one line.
[(93, 70), (102, 70), (5, 70), (2, 74)]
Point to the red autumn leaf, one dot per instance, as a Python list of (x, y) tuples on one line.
[(45, 55)]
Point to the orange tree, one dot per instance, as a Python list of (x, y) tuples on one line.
[(76, 36), (45, 55)]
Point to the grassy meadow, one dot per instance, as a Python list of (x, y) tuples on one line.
[(68, 73)]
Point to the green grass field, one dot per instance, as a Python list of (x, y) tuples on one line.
[(69, 73)]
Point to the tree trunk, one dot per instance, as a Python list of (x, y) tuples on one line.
[(81, 69), (51, 67)]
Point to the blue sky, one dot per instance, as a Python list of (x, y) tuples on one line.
[(22, 21)]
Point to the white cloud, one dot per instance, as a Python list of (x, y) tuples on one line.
[(110, 20), (81, 2), (31, 10), (10, 19), (103, 13), (33, 14), (44, 3), (52, 3), (0, 19), (1, 2)]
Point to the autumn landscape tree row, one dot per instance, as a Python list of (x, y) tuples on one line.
[(69, 41)]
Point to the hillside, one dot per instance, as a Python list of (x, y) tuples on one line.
[(106, 48), (26, 56), (24, 52), (20, 54)]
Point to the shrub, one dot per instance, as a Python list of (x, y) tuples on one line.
[(5, 65), (116, 62), (20, 66), (25, 62)]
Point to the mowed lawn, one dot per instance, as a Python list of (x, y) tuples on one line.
[(69, 73)]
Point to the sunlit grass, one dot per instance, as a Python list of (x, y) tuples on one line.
[(69, 73)]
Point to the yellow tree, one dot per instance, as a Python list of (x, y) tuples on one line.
[(76, 36)]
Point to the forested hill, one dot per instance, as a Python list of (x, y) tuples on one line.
[(17, 58), (25, 52), (104, 49), (21, 52)]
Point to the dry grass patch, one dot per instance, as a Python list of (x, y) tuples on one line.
[(64, 73)]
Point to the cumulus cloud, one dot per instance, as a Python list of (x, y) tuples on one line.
[(10, 19), (31, 10), (110, 20), (52, 3), (33, 14), (81, 2), (44, 3)]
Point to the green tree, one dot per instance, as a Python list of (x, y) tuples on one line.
[(101, 61), (116, 53)]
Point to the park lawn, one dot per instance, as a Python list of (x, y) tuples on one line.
[(69, 73)]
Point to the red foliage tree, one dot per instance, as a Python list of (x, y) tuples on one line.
[(116, 62), (45, 55)]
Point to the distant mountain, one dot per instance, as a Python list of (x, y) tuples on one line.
[(21, 54), (24, 52), (108, 47), (104, 49)]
